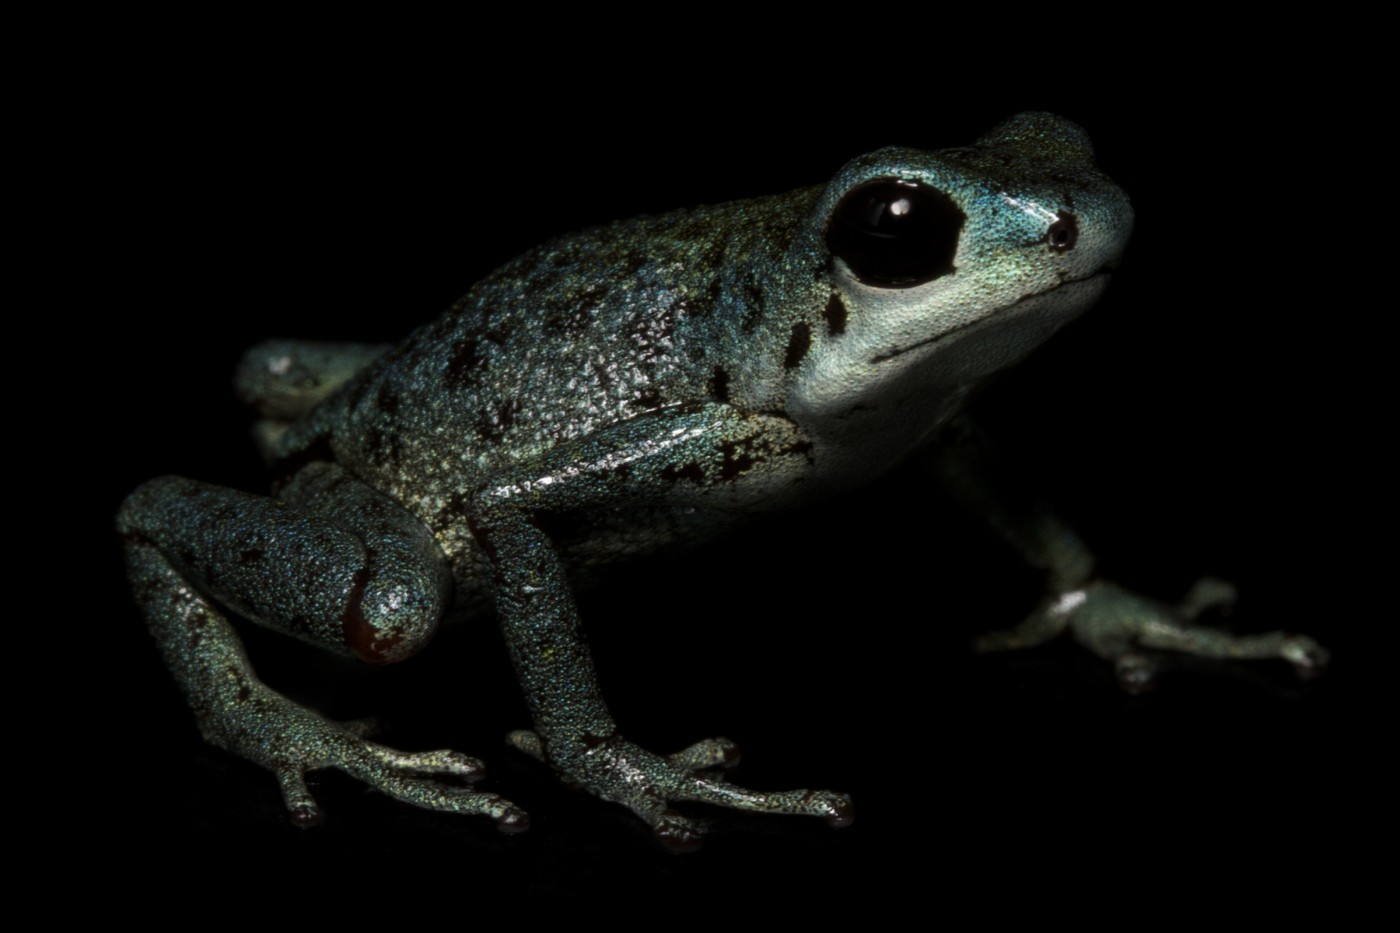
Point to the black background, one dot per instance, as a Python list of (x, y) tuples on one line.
[(1187, 425)]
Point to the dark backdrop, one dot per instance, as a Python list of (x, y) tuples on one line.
[(1188, 425)]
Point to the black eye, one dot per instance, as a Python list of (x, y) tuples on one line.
[(1063, 233), (896, 234)]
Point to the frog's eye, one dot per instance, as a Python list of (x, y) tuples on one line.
[(1063, 233), (894, 233)]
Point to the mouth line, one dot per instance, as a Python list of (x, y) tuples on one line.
[(884, 357)]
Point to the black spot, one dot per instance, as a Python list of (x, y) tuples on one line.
[(453, 512), (387, 400), (798, 344), (461, 369), (753, 307), (835, 316), (505, 415), (374, 444), (719, 385), (250, 556), (576, 314), (712, 295), (739, 458), (646, 400), (690, 471), (633, 262), (494, 426), (244, 693)]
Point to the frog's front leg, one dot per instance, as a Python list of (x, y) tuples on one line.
[(1123, 627), (334, 563), (690, 454)]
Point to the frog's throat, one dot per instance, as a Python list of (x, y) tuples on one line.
[(1009, 309)]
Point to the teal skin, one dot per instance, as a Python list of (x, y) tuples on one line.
[(642, 385)]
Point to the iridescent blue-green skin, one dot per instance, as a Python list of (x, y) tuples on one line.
[(612, 392)]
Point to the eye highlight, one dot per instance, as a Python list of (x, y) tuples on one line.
[(1063, 233), (894, 233)]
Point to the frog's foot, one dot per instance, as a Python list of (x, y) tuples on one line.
[(646, 783), (290, 740), (1129, 629)]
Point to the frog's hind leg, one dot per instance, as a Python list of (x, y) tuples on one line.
[(282, 380), (335, 564)]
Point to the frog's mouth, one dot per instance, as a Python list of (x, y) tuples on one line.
[(1070, 308)]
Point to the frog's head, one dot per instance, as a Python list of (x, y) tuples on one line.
[(945, 267)]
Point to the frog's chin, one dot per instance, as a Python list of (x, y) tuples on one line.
[(999, 340)]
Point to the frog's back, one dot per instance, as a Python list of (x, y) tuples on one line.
[(586, 330)]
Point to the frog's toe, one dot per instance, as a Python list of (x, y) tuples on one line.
[(442, 761), (302, 808), (677, 833), (718, 752), (528, 742), (840, 811), (835, 808), (1137, 673), (1307, 656), (431, 793), (513, 820)]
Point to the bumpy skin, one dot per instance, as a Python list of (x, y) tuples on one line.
[(642, 384)]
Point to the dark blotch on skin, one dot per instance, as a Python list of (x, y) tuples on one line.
[(250, 556), (798, 344), (712, 296), (387, 401), (646, 400), (719, 385), (374, 444), (835, 316), (462, 367), (505, 415), (492, 429), (753, 307), (690, 471), (738, 459)]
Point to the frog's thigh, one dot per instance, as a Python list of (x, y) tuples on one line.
[(334, 563)]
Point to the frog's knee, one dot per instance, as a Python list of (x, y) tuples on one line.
[(391, 617), (147, 504)]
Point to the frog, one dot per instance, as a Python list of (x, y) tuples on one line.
[(645, 385)]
